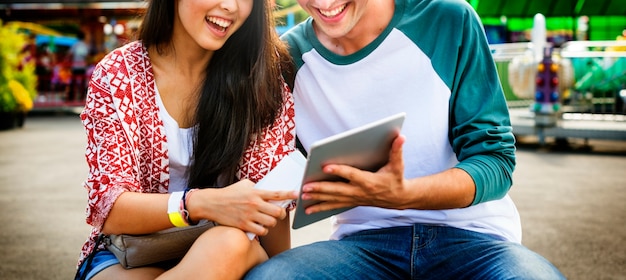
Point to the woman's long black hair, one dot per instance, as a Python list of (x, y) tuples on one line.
[(242, 92)]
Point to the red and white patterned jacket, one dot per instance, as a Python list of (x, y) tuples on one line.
[(126, 143)]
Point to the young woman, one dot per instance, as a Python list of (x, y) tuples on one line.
[(197, 102)]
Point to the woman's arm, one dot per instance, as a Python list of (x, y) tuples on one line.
[(138, 213), (238, 205)]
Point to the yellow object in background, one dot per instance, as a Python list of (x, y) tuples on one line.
[(21, 95)]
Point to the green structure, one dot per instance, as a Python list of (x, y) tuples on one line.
[(606, 19)]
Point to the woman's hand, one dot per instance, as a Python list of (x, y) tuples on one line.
[(239, 205)]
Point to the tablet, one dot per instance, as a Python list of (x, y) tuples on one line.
[(365, 147)]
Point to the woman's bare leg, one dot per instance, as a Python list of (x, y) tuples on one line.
[(219, 253)]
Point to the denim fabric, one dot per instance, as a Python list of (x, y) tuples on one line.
[(101, 260), (414, 252)]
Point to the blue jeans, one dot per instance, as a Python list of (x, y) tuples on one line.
[(412, 252)]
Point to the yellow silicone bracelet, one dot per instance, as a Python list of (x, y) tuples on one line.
[(177, 219)]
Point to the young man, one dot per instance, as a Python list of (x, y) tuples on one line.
[(439, 209)]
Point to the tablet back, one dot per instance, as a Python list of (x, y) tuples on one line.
[(365, 147)]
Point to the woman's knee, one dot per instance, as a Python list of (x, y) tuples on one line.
[(233, 244), (219, 253), (224, 238)]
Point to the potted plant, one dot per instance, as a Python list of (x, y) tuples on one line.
[(18, 81)]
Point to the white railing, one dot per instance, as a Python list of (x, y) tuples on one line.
[(594, 49), (507, 51)]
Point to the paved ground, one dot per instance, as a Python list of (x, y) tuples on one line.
[(572, 203)]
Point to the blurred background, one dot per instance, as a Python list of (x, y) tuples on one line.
[(562, 66), (561, 62)]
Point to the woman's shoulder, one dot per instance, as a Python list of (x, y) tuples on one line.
[(130, 48), (133, 51)]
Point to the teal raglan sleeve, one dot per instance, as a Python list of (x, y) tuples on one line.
[(296, 39), (480, 129)]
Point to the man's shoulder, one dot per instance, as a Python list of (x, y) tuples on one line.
[(297, 33), (298, 40), (438, 18), (438, 10)]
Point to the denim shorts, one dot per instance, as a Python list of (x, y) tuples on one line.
[(100, 261)]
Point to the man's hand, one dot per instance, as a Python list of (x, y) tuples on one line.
[(384, 188)]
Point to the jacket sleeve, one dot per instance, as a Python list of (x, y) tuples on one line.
[(112, 168)]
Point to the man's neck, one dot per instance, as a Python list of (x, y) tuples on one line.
[(373, 22)]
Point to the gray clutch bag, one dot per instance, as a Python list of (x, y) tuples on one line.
[(141, 250)]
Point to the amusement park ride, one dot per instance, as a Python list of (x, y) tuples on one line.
[(578, 89), (546, 106)]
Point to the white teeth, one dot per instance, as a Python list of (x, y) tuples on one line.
[(333, 12), (219, 22)]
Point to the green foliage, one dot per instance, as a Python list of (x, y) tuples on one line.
[(300, 15), (12, 69)]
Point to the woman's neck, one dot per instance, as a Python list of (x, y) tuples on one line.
[(179, 77)]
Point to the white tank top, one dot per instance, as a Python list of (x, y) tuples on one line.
[(179, 148)]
